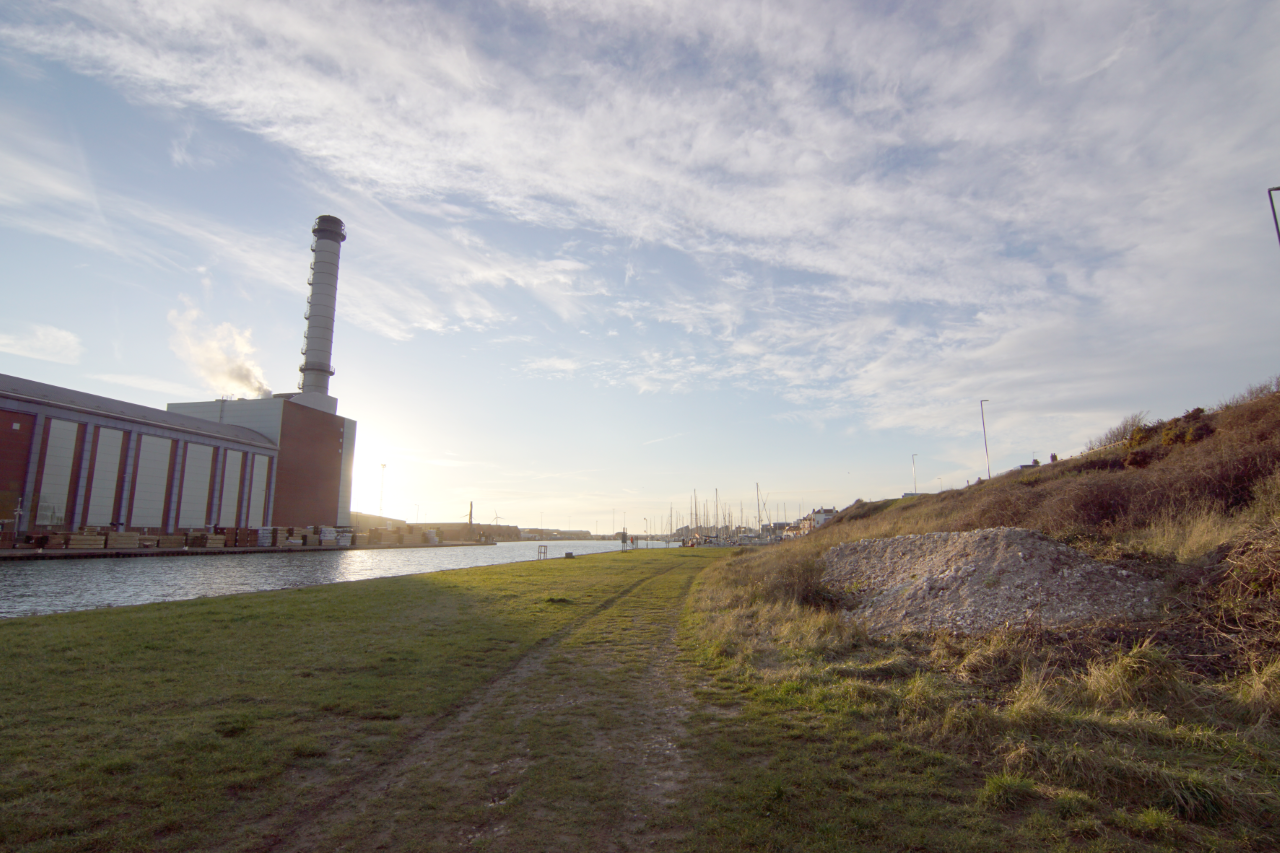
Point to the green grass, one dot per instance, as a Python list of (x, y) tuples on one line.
[(653, 700), (148, 727)]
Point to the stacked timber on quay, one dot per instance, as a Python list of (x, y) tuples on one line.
[(94, 542), (93, 539)]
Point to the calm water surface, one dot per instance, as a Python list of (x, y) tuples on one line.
[(32, 587)]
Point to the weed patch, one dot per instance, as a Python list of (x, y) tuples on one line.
[(1006, 791)]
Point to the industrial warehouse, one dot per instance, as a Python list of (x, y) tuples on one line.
[(71, 460)]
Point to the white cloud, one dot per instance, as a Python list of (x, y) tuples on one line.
[(552, 366), (47, 343), (876, 210)]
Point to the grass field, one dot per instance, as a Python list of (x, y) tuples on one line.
[(186, 725), (613, 702)]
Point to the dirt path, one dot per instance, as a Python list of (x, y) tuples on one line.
[(575, 748)]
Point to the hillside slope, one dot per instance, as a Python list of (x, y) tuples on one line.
[(1177, 490)]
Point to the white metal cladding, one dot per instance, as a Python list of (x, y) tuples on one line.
[(258, 491), (261, 416), (317, 365), (195, 486), (344, 484), (106, 474), (48, 403), (230, 489), (152, 477), (55, 482)]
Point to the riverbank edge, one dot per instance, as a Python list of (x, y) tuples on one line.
[(120, 553)]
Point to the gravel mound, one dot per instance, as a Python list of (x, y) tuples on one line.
[(980, 580)]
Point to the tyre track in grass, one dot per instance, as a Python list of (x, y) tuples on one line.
[(574, 747)]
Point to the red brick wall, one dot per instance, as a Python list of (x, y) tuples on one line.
[(309, 468), (15, 450)]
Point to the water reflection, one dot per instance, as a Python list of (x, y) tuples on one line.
[(32, 587)]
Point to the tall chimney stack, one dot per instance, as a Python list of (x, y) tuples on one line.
[(317, 366)]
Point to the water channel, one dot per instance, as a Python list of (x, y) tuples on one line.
[(29, 588)]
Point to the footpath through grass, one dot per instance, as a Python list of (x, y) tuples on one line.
[(614, 702), (185, 725)]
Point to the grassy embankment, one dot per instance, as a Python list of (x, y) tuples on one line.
[(180, 726), (545, 706), (1116, 737)]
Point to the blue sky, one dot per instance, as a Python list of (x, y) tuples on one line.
[(604, 254)]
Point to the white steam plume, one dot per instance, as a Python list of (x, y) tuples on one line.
[(219, 355)]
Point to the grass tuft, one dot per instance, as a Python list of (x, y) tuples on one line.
[(1258, 691), (1006, 791), (1074, 804), (1141, 678)]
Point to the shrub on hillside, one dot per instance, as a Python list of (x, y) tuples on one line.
[(1120, 432)]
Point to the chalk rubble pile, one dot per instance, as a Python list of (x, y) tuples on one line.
[(981, 580)]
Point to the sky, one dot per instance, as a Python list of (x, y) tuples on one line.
[(603, 254)]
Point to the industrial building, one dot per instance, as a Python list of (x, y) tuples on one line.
[(70, 460)]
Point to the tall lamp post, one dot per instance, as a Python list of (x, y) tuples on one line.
[(983, 413), (915, 489), (382, 487), (1272, 198)]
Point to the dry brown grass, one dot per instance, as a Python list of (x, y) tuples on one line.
[(1177, 490), (1141, 678), (1166, 731)]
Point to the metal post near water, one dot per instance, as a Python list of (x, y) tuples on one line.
[(986, 449)]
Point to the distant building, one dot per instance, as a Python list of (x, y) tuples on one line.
[(461, 531), (316, 451), (816, 519), (363, 522), (543, 534), (70, 459)]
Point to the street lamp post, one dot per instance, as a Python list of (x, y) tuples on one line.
[(986, 449), (915, 487), (1274, 219), (382, 487)]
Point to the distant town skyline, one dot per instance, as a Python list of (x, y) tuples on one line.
[(601, 255)]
